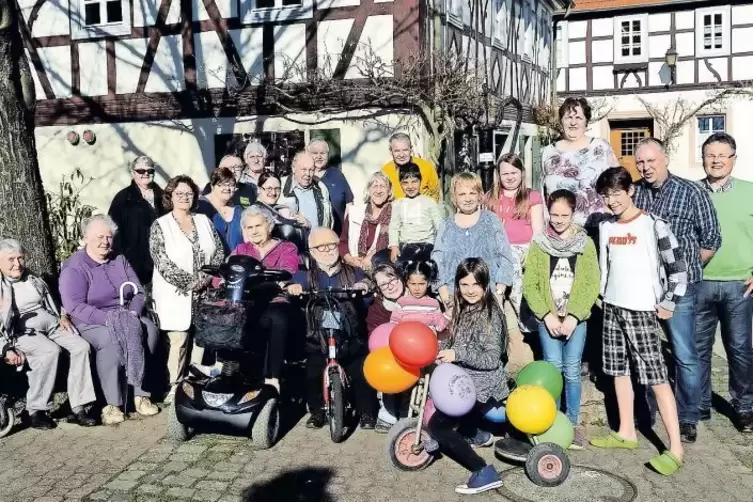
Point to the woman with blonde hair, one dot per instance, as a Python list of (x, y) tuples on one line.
[(472, 232)]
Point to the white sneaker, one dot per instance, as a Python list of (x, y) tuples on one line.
[(112, 415), (144, 406)]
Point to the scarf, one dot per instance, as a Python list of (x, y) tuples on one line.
[(553, 245), (382, 221)]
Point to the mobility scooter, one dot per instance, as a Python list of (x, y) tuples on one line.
[(237, 399)]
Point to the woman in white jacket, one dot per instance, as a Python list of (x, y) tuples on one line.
[(181, 242)]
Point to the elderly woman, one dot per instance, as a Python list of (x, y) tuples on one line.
[(33, 330), (575, 161), (181, 242), (255, 156), (219, 207), (90, 282), (472, 232), (365, 233)]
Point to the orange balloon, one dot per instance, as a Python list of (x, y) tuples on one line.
[(414, 344), (385, 374)]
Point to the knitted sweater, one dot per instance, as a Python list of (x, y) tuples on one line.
[(425, 310), (734, 260)]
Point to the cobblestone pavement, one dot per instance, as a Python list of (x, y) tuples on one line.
[(132, 462)]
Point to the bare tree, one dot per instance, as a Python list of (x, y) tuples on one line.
[(22, 199)]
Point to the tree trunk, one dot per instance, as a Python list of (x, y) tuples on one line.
[(23, 208)]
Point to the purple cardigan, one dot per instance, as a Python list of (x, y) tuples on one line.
[(89, 289), (284, 256)]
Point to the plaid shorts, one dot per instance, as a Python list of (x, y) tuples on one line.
[(633, 338)]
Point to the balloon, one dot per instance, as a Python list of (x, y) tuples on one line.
[(560, 433), (414, 344), (452, 390), (531, 409), (497, 415), (429, 410), (380, 337), (542, 374), (386, 375)]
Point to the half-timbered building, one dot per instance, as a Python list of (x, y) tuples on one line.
[(162, 77), (650, 64)]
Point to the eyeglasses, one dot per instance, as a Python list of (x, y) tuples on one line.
[(388, 284), (183, 195), (236, 167), (255, 156), (142, 172), (712, 158), (229, 184), (327, 246), (271, 189)]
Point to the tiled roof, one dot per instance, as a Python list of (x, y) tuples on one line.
[(581, 5)]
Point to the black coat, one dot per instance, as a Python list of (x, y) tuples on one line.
[(134, 217)]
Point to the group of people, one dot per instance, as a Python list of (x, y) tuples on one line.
[(663, 254)]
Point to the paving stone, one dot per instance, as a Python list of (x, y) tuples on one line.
[(149, 489), (174, 480), (121, 486), (217, 486), (228, 466), (130, 475), (180, 493), (206, 496), (175, 466), (222, 475), (49, 499), (118, 497), (74, 481), (144, 466), (194, 473), (100, 495), (195, 449)]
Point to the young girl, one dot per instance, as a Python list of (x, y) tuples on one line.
[(417, 305), (477, 342), (561, 284)]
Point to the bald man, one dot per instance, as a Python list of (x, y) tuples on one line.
[(245, 193), (329, 271), (304, 193)]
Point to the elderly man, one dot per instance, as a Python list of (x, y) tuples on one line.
[(303, 193), (255, 156), (402, 153), (134, 209), (245, 193), (340, 194), (724, 295), (688, 209), (33, 331), (328, 271)]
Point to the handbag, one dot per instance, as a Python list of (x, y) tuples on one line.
[(221, 326)]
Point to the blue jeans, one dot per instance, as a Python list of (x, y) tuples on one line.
[(723, 302), (566, 355)]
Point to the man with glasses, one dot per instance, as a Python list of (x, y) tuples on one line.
[(133, 210), (245, 193), (328, 271), (305, 194), (724, 295), (687, 208)]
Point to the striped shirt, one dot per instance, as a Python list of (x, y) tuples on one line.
[(425, 310), (688, 209)]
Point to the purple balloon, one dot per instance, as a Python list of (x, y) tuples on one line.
[(452, 390)]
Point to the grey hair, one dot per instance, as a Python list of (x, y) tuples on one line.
[(652, 141), (12, 246), (142, 160), (317, 140), (378, 175), (256, 210), (254, 146), (98, 217), (401, 136)]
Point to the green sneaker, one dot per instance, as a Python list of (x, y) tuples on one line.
[(613, 441)]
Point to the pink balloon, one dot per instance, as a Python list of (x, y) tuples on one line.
[(429, 410), (380, 337)]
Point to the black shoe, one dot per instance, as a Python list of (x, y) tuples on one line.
[(317, 420), (705, 414), (82, 419), (368, 422), (745, 422), (42, 420), (688, 433)]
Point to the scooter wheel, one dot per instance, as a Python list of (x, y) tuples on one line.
[(336, 408), (7, 418), (547, 465), (400, 446), (176, 431), (266, 426)]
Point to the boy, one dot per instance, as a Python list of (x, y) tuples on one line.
[(643, 275), (415, 218)]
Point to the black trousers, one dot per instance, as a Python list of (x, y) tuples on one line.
[(364, 395), (271, 336)]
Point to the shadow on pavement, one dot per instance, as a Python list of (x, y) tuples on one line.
[(298, 485)]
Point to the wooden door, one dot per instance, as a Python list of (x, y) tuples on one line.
[(623, 140)]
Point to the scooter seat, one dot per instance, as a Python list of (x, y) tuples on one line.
[(513, 449)]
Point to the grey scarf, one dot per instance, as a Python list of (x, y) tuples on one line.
[(553, 245)]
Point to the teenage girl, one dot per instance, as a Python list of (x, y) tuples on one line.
[(417, 305), (477, 343)]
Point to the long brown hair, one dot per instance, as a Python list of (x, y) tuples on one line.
[(522, 197)]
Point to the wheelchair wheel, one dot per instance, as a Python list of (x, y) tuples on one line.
[(400, 446), (336, 411), (176, 431), (7, 418), (266, 426), (547, 465)]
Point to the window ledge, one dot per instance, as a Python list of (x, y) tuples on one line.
[(92, 32), (250, 14)]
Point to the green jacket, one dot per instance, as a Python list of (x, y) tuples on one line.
[(538, 291)]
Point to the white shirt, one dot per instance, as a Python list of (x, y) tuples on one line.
[(561, 283), (632, 271)]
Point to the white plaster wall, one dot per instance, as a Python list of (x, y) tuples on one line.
[(577, 29), (376, 41), (250, 42), (145, 12), (330, 38), (211, 63), (57, 63), (602, 27), (684, 20), (166, 74), (659, 22), (742, 68), (227, 8), (742, 14), (52, 18), (577, 79), (290, 52), (742, 40), (685, 44), (603, 77), (92, 58), (602, 51)]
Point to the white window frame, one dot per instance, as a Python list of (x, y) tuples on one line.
[(501, 30), (700, 14), (561, 45), (80, 31), (618, 57), (700, 137), (250, 13)]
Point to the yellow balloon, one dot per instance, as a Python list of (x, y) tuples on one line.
[(531, 409), (385, 374)]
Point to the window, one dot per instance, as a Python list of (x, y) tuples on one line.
[(630, 39), (712, 31), (629, 139), (100, 18), (708, 125), (257, 11), (560, 44)]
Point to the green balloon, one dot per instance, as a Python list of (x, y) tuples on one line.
[(560, 433), (542, 374)]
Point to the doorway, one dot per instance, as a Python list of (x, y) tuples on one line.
[(624, 135)]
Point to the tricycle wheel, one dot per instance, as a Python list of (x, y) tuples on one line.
[(547, 465), (266, 427), (400, 446), (336, 414), (7, 418), (176, 431)]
